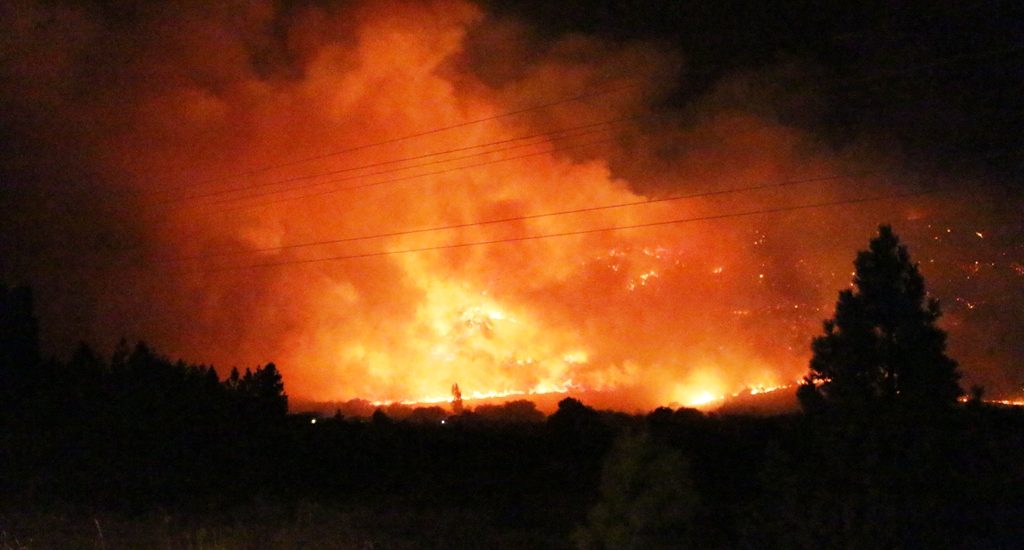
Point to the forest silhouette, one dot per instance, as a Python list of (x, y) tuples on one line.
[(882, 455)]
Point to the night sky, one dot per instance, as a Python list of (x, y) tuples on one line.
[(674, 192)]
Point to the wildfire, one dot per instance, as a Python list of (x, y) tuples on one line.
[(700, 399), (755, 390), (1005, 402), (1008, 402), (402, 208)]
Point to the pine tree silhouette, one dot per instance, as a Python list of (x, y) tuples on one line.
[(882, 345)]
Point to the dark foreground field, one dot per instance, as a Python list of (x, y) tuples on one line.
[(263, 525), (579, 478)]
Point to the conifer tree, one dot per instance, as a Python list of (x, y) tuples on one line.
[(883, 345)]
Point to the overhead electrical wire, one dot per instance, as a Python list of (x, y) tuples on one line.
[(836, 82), (943, 61), (578, 232), (163, 261), (553, 134), (267, 167), (421, 165), (940, 62), (414, 176), (582, 210), (884, 74), (579, 210)]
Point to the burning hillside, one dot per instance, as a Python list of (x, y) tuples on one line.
[(393, 197)]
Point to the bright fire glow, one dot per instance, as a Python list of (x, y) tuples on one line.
[(684, 313)]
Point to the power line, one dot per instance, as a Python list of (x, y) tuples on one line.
[(228, 200), (578, 232), (556, 213), (441, 172), (526, 217), (934, 63), (584, 209), (940, 62), (506, 114), (554, 134), (410, 177)]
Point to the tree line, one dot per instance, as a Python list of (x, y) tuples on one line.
[(135, 425)]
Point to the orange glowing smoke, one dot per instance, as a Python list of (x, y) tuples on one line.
[(592, 312), (682, 313)]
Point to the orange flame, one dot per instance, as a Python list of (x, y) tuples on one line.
[(685, 313)]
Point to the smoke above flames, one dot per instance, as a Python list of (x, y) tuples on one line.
[(165, 162)]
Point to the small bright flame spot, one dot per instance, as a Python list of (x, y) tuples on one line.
[(718, 270), (444, 421), (312, 421), (575, 357), (979, 234), (642, 280)]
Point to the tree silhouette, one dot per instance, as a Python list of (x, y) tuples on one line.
[(511, 412), (456, 399), (262, 392), (647, 499), (882, 346)]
